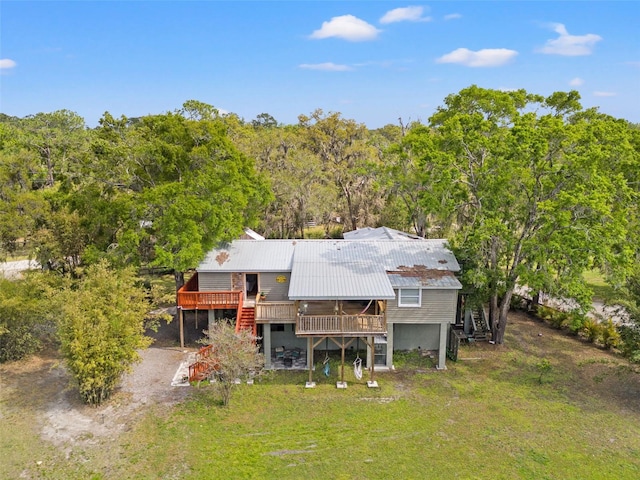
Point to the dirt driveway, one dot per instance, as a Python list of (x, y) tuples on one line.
[(65, 421)]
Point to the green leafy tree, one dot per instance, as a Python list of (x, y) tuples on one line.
[(537, 200), (22, 205), (349, 159), (101, 329), (180, 186), (234, 356)]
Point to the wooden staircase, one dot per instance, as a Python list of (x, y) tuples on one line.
[(480, 324), (246, 320), (204, 365)]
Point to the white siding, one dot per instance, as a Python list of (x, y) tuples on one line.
[(438, 306)]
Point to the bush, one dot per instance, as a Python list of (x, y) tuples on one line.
[(610, 334), (555, 318), (26, 315), (558, 319), (101, 329), (592, 329), (17, 343), (576, 323), (629, 343)]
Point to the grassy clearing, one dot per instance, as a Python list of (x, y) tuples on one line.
[(487, 416), (602, 291)]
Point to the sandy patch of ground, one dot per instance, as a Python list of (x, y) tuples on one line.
[(65, 421)]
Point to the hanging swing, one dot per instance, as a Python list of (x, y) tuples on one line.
[(357, 364), (327, 367)]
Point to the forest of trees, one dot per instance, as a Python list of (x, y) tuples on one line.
[(527, 189)]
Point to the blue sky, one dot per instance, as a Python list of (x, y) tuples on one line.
[(373, 61)]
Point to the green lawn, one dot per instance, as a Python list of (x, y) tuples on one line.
[(601, 289), (487, 417)]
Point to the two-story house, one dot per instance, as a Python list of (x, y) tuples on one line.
[(385, 289)]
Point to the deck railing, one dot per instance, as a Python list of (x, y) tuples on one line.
[(275, 312), (208, 300), (345, 325)]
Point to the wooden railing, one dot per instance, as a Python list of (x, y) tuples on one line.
[(275, 312), (345, 325), (208, 300)]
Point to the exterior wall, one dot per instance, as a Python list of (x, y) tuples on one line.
[(438, 306), (210, 281), (272, 285), (287, 338), (412, 336)]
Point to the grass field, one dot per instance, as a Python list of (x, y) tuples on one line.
[(495, 414), (602, 291)]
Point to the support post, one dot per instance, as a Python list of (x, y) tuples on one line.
[(442, 350), (390, 345), (266, 344), (310, 383), (181, 320)]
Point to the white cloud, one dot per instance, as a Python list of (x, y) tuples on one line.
[(6, 63), (576, 82), (488, 57), (633, 64), (346, 27), (604, 94), (570, 45), (452, 16), (405, 14), (327, 67)]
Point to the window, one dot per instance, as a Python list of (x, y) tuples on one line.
[(277, 327), (409, 297)]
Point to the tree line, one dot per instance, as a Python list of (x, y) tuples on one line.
[(528, 189)]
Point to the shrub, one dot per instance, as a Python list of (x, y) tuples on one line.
[(629, 343), (18, 342), (576, 322), (518, 303), (544, 367), (558, 319), (543, 312), (101, 329), (25, 315), (610, 334), (592, 329)]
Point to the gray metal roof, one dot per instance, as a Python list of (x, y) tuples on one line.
[(250, 256), (443, 282), (324, 270), (344, 269), (380, 233)]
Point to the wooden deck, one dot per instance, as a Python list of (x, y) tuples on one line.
[(340, 325), (275, 312), (190, 298), (311, 319)]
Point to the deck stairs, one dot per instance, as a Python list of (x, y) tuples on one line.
[(246, 320), (480, 325), (204, 365)]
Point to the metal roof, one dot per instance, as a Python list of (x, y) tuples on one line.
[(448, 281), (344, 269), (380, 233), (324, 270), (250, 256)]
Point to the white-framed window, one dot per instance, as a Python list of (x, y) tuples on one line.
[(409, 297)]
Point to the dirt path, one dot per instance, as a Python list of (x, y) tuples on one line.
[(65, 421)]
